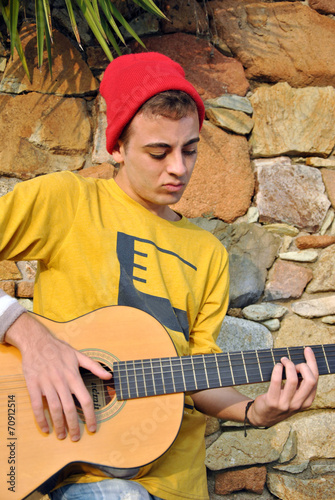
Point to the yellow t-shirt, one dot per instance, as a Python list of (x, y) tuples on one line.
[(97, 247)]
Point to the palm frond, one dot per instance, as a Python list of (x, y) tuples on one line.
[(14, 35), (103, 18), (14, 6)]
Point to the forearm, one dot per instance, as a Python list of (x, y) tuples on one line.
[(10, 311), (223, 403)]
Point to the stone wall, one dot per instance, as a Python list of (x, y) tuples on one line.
[(264, 185)]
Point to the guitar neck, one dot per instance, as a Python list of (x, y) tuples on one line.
[(153, 377)]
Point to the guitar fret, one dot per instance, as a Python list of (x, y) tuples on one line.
[(297, 354), (225, 373), (168, 376), (173, 379), (266, 361), (162, 376), (136, 387), (259, 367), (206, 374), (117, 380), (149, 378), (189, 372), (158, 376), (200, 372), (153, 377), (273, 358), (217, 367), (288, 353), (326, 359), (194, 375), (127, 378), (161, 371), (245, 368), (240, 375), (182, 372), (252, 367), (231, 369), (144, 381), (279, 353), (178, 375)]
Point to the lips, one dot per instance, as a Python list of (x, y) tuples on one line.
[(174, 188)]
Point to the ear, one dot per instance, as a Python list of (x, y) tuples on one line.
[(118, 153)]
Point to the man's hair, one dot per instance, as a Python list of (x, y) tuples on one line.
[(173, 104)]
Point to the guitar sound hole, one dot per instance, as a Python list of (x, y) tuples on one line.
[(101, 391)]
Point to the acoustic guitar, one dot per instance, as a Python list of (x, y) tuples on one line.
[(139, 411)]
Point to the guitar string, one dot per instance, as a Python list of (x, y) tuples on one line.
[(238, 370), (168, 372), (206, 362)]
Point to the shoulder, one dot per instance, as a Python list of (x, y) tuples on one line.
[(204, 236), (49, 182), (208, 247), (56, 191), (56, 184)]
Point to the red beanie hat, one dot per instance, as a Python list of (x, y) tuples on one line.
[(130, 80)]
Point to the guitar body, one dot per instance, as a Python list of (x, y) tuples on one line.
[(130, 433)]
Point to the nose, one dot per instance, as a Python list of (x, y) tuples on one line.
[(177, 165)]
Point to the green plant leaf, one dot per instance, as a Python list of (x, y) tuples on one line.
[(110, 36), (90, 14), (109, 16), (96, 8), (39, 12), (151, 7), (95, 29), (125, 24), (13, 17), (73, 21), (47, 17), (103, 18), (15, 36), (48, 42)]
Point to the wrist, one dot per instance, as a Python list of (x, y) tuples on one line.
[(10, 311), (23, 332), (249, 417)]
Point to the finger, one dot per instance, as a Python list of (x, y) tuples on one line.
[(87, 407), (56, 412), (311, 361), (308, 386), (38, 408), (292, 381), (63, 413), (79, 390), (71, 416), (275, 386), (93, 366)]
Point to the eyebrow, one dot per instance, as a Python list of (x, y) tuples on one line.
[(164, 145)]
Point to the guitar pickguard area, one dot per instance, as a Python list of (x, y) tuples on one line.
[(102, 392)]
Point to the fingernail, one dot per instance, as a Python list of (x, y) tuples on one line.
[(75, 438), (92, 428), (61, 435)]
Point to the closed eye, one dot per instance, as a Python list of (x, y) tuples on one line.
[(158, 156), (190, 152)]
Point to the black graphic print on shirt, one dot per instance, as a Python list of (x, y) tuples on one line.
[(133, 255)]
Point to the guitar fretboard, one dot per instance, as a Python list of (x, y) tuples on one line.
[(153, 377)]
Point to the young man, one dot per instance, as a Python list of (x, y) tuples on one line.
[(118, 242)]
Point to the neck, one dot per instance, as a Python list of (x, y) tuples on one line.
[(207, 371)]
